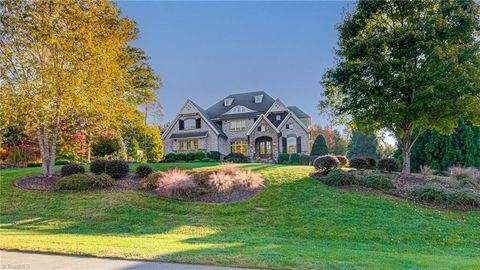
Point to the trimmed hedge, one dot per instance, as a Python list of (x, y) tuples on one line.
[(343, 161), (72, 168), (358, 163), (81, 181), (98, 166), (283, 158), (215, 155), (305, 159), (117, 168), (144, 170), (236, 158), (388, 165), (340, 178), (326, 163), (372, 162), (377, 181), (295, 159)]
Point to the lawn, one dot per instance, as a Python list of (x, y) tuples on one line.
[(296, 222)]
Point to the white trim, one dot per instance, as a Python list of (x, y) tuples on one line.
[(292, 115), (246, 110), (164, 136), (279, 102), (258, 121)]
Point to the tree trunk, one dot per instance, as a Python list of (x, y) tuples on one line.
[(53, 145), (406, 152)]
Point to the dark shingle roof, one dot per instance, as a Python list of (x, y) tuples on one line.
[(189, 135), (244, 99), (299, 113), (202, 111)]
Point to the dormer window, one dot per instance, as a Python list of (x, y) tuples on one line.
[(258, 98), (278, 117), (227, 102)]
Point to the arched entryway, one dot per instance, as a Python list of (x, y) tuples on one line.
[(263, 147)]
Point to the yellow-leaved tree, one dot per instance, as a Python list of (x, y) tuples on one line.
[(67, 63)]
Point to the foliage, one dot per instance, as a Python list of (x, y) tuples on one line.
[(440, 152), (343, 161), (326, 163), (398, 70), (61, 162), (180, 156), (236, 158), (459, 173), (340, 178), (117, 168), (170, 156), (359, 163), (102, 181), (79, 181), (144, 170), (340, 144), (427, 172), (189, 156), (431, 194), (34, 164), (133, 148), (215, 155), (208, 160), (230, 176), (305, 159), (68, 153), (105, 147), (200, 155), (98, 166), (295, 158), (20, 154), (377, 181), (319, 147), (372, 162), (72, 168), (388, 165), (471, 182), (176, 183), (464, 198), (361, 145), (283, 158), (151, 181)]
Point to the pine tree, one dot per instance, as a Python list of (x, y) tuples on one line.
[(319, 147), (362, 145)]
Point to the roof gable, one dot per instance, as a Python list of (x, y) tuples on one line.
[(277, 106), (261, 119), (294, 117), (243, 99)]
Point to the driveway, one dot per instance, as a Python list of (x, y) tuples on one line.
[(36, 261)]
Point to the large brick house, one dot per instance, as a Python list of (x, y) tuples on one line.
[(252, 123)]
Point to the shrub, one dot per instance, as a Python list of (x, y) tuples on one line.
[(294, 158), (427, 172), (79, 181), (34, 164), (151, 181), (102, 181), (358, 163), (72, 168), (319, 147), (168, 160), (460, 173), (343, 160), (388, 165), (463, 198), (377, 181), (144, 170), (200, 155), (170, 156), (236, 158), (180, 156), (189, 156), (176, 183), (431, 194), (248, 179), (283, 158), (326, 163), (221, 181), (20, 154), (372, 162), (470, 182), (117, 168), (215, 155), (208, 160), (98, 166), (340, 178), (305, 159), (62, 162)]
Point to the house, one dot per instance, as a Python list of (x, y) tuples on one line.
[(253, 124)]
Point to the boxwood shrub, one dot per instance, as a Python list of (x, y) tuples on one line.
[(377, 181), (72, 168), (98, 166), (326, 163), (117, 168), (358, 163), (283, 158), (102, 181), (78, 181), (388, 165), (295, 158), (144, 170), (236, 158), (372, 162), (340, 178), (431, 194), (215, 155), (343, 161), (304, 159)]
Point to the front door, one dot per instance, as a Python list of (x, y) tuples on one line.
[(263, 147)]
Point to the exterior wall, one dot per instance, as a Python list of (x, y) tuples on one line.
[(209, 143), (269, 132), (307, 121), (236, 135), (295, 131)]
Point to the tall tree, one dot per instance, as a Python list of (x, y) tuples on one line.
[(362, 145), (407, 64), (66, 63), (319, 147), (340, 144)]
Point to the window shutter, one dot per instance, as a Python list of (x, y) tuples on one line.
[(284, 145), (198, 123), (299, 144), (181, 125)]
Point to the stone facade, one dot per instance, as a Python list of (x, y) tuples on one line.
[(266, 130), (295, 130)]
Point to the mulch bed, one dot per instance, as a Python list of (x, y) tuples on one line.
[(404, 187), (132, 182)]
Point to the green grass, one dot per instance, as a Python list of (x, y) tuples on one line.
[(295, 223)]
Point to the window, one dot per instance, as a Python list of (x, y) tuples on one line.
[(239, 147), (266, 148), (187, 145), (289, 126), (190, 123), (258, 99), (237, 125), (278, 117), (262, 128), (291, 145), (228, 101)]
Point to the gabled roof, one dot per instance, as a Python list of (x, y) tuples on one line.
[(244, 99), (299, 113), (292, 115), (259, 120), (208, 120)]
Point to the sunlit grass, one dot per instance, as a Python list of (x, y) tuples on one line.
[(296, 222)]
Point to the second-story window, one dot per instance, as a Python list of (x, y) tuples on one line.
[(190, 123), (238, 125)]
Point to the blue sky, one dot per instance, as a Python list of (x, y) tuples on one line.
[(206, 50)]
